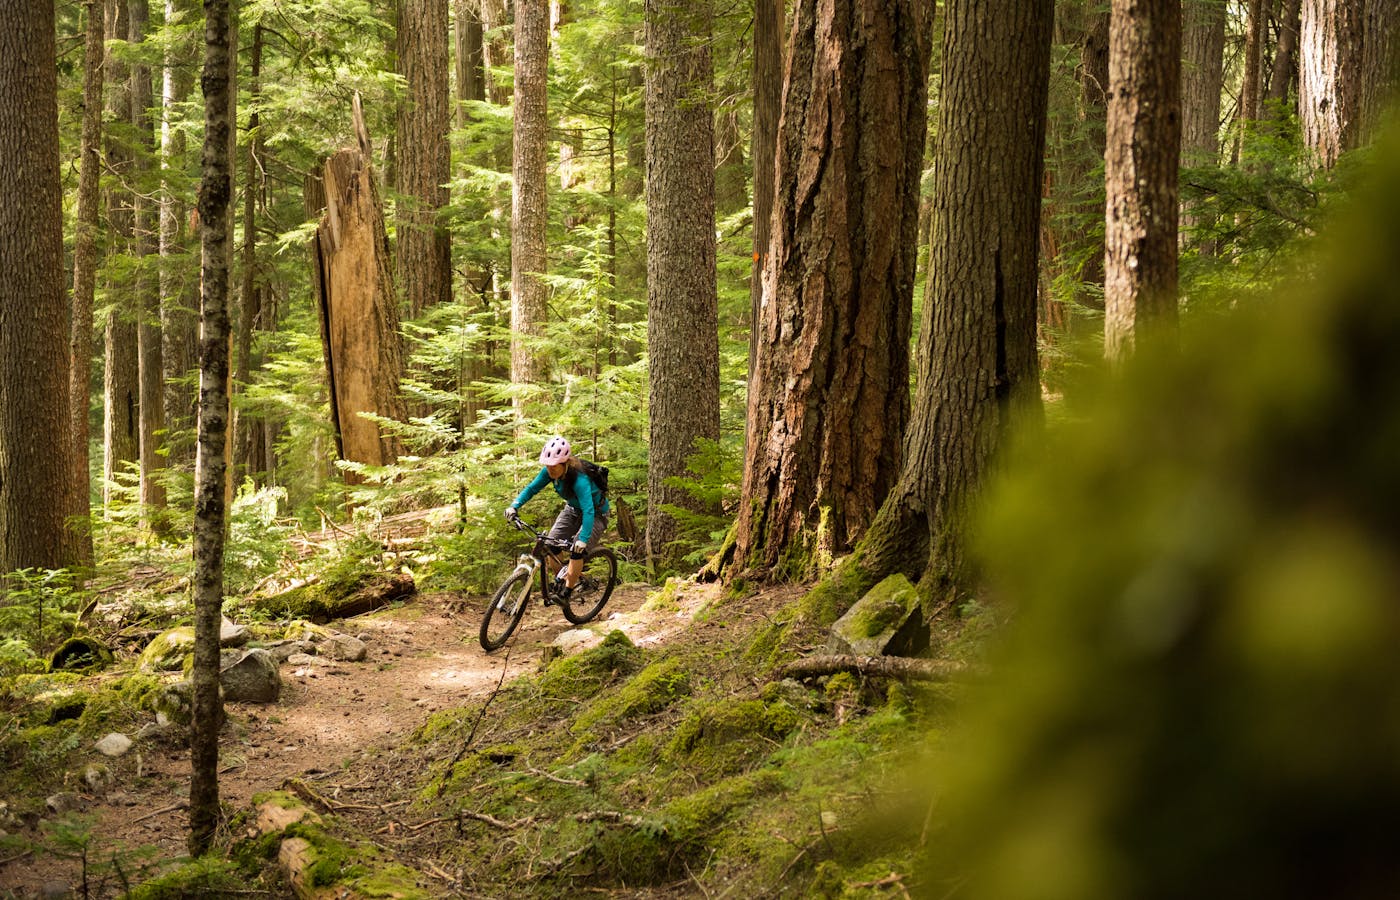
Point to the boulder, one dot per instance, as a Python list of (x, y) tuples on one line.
[(232, 635), (252, 679), (887, 621), (82, 653), (283, 650), (173, 704), (114, 745), (98, 778), (167, 651), (343, 647), (64, 802)]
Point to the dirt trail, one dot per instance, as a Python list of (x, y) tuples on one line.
[(423, 657)]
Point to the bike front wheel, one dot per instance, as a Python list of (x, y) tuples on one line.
[(504, 612), (594, 587)]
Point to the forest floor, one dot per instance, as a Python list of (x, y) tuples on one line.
[(334, 728)]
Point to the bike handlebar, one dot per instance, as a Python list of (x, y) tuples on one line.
[(528, 528)]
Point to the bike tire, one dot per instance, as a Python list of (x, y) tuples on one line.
[(594, 588), (506, 607)]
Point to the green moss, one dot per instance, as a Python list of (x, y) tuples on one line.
[(650, 690), (727, 736), (666, 599), (883, 607), (582, 675), (168, 650), (209, 876)]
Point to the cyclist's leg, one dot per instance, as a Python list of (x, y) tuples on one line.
[(564, 529)]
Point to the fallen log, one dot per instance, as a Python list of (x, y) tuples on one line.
[(315, 604), (901, 667)]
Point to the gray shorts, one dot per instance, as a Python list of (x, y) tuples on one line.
[(567, 525)]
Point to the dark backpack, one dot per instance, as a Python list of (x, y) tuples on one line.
[(596, 473)]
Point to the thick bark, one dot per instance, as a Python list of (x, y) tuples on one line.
[(211, 469), (496, 52), (830, 393), (424, 256), (682, 304), (471, 87), (121, 390), (767, 106), (145, 246), (1140, 170), (1093, 100), (978, 376), (1347, 68), (1202, 65), (36, 478), (359, 315), (529, 215), (85, 276), (1285, 67)]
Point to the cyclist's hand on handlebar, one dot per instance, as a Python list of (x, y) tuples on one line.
[(580, 546), (512, 515)]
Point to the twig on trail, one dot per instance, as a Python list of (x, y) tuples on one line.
[(892, 878), (16, 858), (180, 804), (493, 821), (883, 666), (555, 778), (505, 666), (696, 880), (436, 870), (326, 517), (606, 815)]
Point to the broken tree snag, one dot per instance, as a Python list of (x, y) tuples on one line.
[(358, 310), (900, 667)]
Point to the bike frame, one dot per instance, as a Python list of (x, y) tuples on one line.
[(533, 561)]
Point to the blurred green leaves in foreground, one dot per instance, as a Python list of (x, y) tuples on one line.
[(1199, 695)]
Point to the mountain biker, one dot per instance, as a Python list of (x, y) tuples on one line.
[(586, 507)]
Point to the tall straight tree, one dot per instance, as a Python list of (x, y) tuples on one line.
[(682, 303), (978, 376), (36, 478), (830, 394), (85, 273), (767, 106), (529, 214), (1202, 66), (1346, 70), (121, 387), (145, 246), (1285, 67), (424, 257), (178, 284), (247, 432), (1140, 173), (211, 463)]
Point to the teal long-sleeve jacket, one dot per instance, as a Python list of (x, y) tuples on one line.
[(577, 489)]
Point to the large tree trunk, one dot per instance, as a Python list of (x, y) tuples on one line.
[(767, 106), (424, 256), (85, 278), (1140, 169), (496, 52), (359, 315), (830, 393), (977, 368), (145, 246), (211, 468), (471, 87), (1202, 66), (1347, 68), (529, 215), (36, 478), (1252, 87), (682, 304), (121, 385)]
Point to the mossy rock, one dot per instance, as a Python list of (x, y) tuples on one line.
[(168, 650), (81, 653), (725, 736), (886, 621), (582, 675), (336, 599), (650, 690)]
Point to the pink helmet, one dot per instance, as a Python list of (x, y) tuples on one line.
[(556, 450)]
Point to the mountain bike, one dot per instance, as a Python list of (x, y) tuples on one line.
[(581, 604)]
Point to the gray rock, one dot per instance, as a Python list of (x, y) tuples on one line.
[(114, 745), (282, 650), (55, 890), (173, 704), (231, 635), (302, 659), (887, 621), (167, 651), (98, 778), (253, 679), (344, 647), (63, 802), (576, 640)]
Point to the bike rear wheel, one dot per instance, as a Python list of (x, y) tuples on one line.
[(594, 587), (505, 610)]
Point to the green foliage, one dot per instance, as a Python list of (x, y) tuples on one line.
[(1205, 704), (38, 610)]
